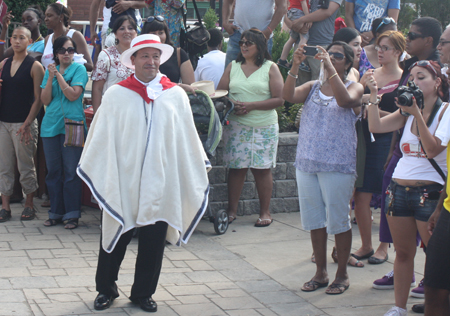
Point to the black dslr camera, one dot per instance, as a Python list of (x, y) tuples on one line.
[(406, 93)]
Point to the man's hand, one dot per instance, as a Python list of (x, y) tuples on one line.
[(432, 221), (306, 28), (297, 25), (366, 37), (230, 28), (267, 33), (121, 6)]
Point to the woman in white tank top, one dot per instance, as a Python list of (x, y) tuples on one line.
[(416, 185), (57, 18)]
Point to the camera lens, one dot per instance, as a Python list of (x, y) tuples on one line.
[(405, 99)]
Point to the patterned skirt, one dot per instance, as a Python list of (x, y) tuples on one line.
[(250, 147)]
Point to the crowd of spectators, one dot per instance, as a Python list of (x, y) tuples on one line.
[(358, 137)]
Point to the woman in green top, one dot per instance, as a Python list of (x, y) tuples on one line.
[(63, 87), (251, 139)]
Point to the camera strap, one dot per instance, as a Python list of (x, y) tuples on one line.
[(433, 113)]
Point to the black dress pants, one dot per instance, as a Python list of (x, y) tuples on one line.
[(152, 240)]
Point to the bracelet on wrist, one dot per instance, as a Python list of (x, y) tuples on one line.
[(293, 76), (270, 29), (333, 75), (374, 103)]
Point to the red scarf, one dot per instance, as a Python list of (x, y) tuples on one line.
[(134, 85)]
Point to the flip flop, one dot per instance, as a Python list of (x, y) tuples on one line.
[(71, 223), (260, 221), (313, 285), (52, 222), (366, 256), (341, 288), (4, 215), (231, 219), (357, 264)]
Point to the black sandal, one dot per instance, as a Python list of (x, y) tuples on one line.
[(4, 215), (71, 223), (28, 214), (52, 222)]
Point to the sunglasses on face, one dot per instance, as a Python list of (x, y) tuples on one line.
[(382, 48), (412, 36), (425, 64), (63, 50), (336, 56), (159, 18), (385, 21), (246, 43)]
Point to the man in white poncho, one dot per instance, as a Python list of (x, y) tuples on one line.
[(145, 165)]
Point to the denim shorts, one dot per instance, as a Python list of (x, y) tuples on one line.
[(324, 199), (418, 202)]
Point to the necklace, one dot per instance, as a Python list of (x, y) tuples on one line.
[(318, 99), (37, 40)]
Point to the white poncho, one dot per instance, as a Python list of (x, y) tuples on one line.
[(144, 163)]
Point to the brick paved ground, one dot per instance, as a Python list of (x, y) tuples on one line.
[(248, 271)]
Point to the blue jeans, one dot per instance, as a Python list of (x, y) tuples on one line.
[(233, 48), (63, 183), (418, 202)]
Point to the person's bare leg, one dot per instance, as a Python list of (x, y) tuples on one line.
[(236, 178), (382, 250), (364, 220), (287, 48), (343, 246), (403, 230), (5, 202), (29, 200), (264, 185), (319, 244), (437, 302)]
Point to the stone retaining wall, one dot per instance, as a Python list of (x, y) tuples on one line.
[(284, 194)]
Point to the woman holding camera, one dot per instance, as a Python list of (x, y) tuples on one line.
[(416, 184), (326, 157)]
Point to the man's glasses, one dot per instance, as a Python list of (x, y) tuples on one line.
[(425, 64), (385, 21), (412, 36), (337, 56), (383, 48), (246, 43), (158, 18), (63, 50), (442, 43)]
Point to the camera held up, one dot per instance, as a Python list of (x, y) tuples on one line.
[(406, 93)]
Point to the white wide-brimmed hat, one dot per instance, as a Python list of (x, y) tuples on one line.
[(207, 86), (144, 41)]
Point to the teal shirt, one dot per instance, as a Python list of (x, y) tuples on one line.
[(53, 122), (36, 47)]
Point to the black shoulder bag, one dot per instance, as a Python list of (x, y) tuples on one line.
[(196, 38)]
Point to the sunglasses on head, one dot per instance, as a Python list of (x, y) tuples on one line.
[(336, 56), (63, 50), (159, 18), (424, 64), (385, 21), (246, 43), (412, 36)]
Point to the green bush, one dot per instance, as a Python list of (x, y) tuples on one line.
[(18, 6), (210, 19)]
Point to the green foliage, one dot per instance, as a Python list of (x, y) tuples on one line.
[(279, 39), (406, 16), (224, 46), (210, 19), (286, 117), (438, 9), (18, 7)]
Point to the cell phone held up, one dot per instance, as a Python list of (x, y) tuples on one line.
[(310, 50)]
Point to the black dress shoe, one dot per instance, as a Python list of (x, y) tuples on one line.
[(103, 301), (147, 304), (419, 308)]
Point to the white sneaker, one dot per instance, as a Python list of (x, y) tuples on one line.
[(396, 311)]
